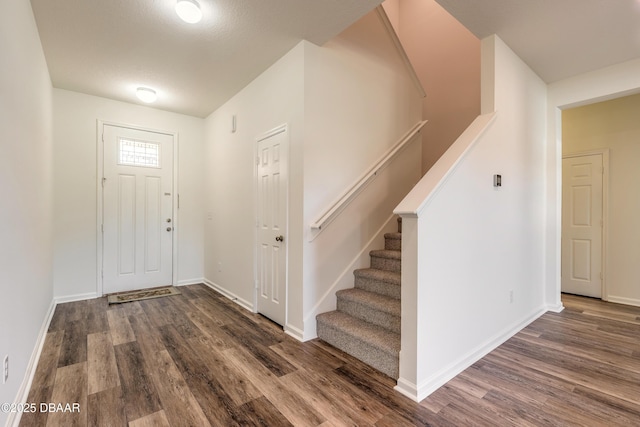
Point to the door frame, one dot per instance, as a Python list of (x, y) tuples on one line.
[(100, 124), (604, 152), (284, 128)]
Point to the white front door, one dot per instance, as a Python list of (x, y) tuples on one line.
[(582, 208), (137, 209), (272, 224)]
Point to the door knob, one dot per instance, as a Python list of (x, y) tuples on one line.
[(168, 228), (168, 219), (280, 238)]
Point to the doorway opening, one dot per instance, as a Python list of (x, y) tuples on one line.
[(136, 208)]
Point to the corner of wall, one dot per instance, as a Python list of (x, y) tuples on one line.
[(488, 74)]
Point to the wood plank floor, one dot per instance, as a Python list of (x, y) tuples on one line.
[(198, 359)]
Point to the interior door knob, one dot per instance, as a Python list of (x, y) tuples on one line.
[(168, 228), (280, 238)]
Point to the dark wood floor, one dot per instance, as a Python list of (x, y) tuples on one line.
[(198, 359)]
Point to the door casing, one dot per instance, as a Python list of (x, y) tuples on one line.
[(280, 129), (605, 209), (100, 198)]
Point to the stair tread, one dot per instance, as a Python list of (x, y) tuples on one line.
[(396, 235), (381, 338), (373, 300), (386, 253), (392, 277)]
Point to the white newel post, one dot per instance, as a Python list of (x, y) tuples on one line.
[(411, 347)]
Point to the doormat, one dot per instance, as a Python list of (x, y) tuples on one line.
[(121, 297)]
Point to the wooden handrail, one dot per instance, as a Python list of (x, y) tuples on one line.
[(349, 195)]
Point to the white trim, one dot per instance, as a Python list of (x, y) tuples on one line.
[(294, 332), (187, 282), (430, 184), (623, 300), (418, 392), (77, 297), (23, 393), (100, 124), (556, 308), (605, 210), (233, 297), (283, 128)]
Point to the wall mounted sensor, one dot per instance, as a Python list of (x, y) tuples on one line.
[(497, 180)]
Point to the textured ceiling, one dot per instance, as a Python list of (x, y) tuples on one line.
[(557, 38), (109, 47)]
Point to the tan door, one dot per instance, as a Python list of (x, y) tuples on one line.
[(137, 209), (582, 203), (272, 225)]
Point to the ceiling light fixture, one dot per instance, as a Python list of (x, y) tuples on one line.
[(146, 95), (189, 11)]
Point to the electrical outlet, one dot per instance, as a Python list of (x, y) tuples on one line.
[(5, 375)]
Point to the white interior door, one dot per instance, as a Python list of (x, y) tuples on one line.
[(272, 165), (137, 209), (582, 208)]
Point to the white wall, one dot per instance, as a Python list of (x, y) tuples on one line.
[(272, 99), (359, 101), (477, 245), (600, 85), (25, 193), (345, 104), (75, 187)]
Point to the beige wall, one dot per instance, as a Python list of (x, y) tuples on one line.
[(446, 57), (614, 125)]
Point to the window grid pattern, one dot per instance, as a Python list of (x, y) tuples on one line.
[(138, 153)]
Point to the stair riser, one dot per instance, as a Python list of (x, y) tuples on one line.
[(393, 244), (372, 356), (369, 314), (378, 286), (385, 264)]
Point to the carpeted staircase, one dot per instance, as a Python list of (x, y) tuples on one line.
[(366, 323)]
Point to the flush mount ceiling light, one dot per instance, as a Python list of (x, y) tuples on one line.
[(146, 95), (189, 11)]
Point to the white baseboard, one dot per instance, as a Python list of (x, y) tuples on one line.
[(294, 332), (418, 392), (623, 300), (555, 308), (233, 297), (76, 297), (407, 389), (187, 282), (23, 392), (93, 295)]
